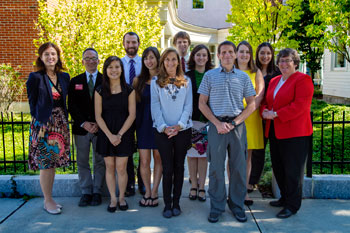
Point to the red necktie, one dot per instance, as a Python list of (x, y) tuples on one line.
[(183, 64)]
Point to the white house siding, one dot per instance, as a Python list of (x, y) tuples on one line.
[(213, 15), (336, 82)]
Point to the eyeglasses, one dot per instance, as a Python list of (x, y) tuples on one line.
[(90, 58), (285, 61)]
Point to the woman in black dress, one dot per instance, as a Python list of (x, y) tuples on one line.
[(49, 145), (144, 127), (265, 61), (115, 110)]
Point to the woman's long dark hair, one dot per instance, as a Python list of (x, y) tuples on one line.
[(144, 76), (251, 64), (192, 64), (105, 81), (271, 67)]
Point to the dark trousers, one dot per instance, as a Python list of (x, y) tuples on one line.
[(258, 162), (288, 157), (173, 152)]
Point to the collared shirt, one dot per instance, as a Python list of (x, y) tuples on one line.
[(279, 85), (171, 105), (187, 57), (126, 65), (94, 76), (226, 91)]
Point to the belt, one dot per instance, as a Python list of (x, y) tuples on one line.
[(227, 119)]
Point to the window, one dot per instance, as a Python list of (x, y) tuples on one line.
[(197, 4), (339, 60)]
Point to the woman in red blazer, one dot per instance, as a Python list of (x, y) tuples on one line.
[(288, 124)]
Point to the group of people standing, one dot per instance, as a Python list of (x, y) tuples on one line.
[(178, 105)]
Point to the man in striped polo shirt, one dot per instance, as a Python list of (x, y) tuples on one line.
[(221, 101)]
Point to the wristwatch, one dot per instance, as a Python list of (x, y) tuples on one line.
[(234, 123)]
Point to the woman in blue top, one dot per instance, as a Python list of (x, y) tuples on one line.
[(144, 127), (171, 108)]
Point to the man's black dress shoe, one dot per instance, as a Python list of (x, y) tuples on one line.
[(130, 191), (85, 200), (167, 213), (285, 213), (278, 203), (248, 202), (96, 199), (213, 217)]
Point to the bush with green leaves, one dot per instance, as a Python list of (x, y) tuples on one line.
[(11, 86)]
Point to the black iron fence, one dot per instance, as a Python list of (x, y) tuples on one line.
[(330, 145)]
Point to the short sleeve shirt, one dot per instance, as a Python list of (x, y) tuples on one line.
[(226, 91)]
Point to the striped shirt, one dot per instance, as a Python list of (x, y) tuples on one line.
[(226, 91)]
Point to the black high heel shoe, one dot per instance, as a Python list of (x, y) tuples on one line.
[(201, 198)]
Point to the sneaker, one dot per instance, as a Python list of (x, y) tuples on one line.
[(85, 200), (239, 215), (213, 217)]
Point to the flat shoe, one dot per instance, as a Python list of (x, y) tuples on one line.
[(213, 217), (176, 211), (111, 209), (123, 207), (54, 211), (248, 202), (167, 213)]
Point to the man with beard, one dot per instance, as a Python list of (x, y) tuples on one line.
[(81, 109), (181, 42), (132, 68)]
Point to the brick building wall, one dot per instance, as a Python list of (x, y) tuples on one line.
[(17, 33)]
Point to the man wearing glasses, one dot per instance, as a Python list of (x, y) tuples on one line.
[(81, 108)]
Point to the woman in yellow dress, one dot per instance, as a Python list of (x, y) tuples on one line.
[(255, 139)]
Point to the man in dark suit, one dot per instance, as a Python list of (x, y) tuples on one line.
[(132, 67), (81, 108)]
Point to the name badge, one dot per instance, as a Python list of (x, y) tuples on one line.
[(78, 86)]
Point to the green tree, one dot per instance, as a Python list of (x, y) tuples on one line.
[(307, 43), (75, 25), (335, 15), (260, 21)]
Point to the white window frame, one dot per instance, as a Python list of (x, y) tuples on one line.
[(198, 8), (334, 68)]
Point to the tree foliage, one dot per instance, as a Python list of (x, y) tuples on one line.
[(260, 21), (307, 43), (11, 86), (75, 25), (335, 15)]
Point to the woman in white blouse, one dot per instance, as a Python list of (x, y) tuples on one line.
[(171, 108)]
